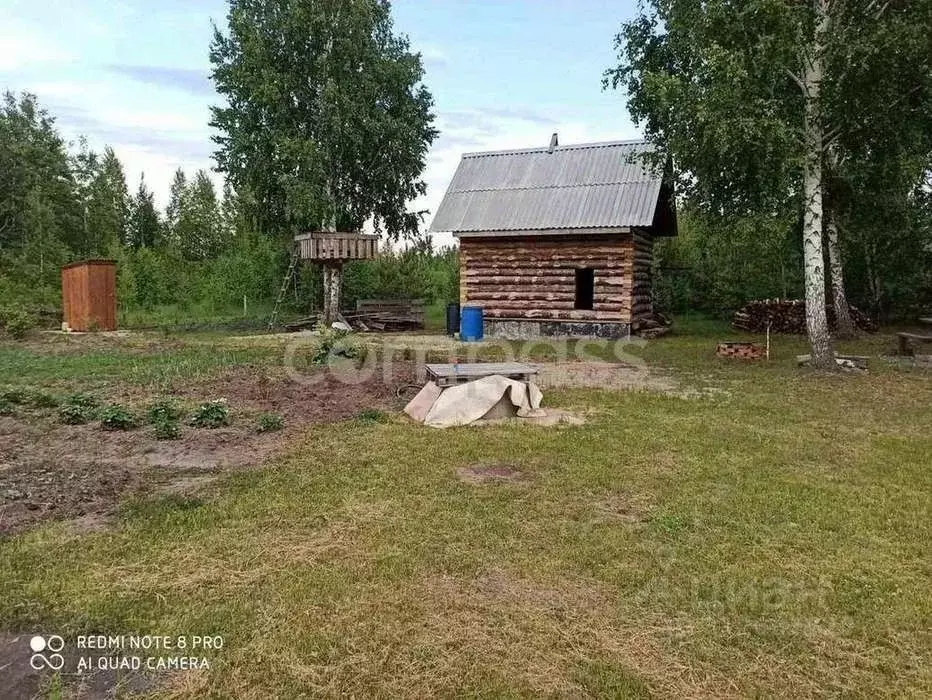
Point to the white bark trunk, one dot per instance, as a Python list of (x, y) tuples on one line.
[(328, 309), (333, 277), (813, 255), (333, 289), (844, 325)]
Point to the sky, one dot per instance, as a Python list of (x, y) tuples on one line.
[(134, 75)]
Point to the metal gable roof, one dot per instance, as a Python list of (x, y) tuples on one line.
[(593, 185)]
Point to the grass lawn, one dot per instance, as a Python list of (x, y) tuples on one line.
[(768, 537)]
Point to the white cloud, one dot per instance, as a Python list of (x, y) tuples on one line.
[(21, 47)]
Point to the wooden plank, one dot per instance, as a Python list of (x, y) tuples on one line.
[(448, 374)]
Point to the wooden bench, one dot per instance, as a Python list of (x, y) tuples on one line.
[(908, 342), (448, 375)]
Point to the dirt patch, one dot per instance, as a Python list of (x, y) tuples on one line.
[(550, 417), (621, 509), (50, 471), (603, 375), (22, 682), (490, 472), (58, 343)]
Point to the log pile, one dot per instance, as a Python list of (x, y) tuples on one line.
[(365, 322), (651, 325), (741, 350), (788, 316)]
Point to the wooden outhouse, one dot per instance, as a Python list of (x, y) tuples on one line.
[(558, 241), (89, 295)]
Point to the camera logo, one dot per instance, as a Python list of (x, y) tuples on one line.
[(45, 652)]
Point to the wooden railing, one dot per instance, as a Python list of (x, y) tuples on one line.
[(325, 245)]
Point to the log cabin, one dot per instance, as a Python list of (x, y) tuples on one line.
[(558, 241)]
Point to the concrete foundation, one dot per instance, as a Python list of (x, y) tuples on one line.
[(521, 329)]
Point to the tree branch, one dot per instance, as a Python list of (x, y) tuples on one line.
[(796, 79), (873, 4)]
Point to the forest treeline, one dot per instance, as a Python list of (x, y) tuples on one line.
[(201, 255)]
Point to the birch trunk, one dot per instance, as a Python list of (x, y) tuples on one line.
[(844, 326), (328, 308), (813, 255), (333, 277)]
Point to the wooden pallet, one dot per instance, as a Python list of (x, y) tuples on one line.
[(449, 374)]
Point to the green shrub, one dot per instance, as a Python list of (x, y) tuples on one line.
[(82, 400), (7, 407), (164, 410), (39, 399), (167, 429), (17, 322), (117, 417), (333, 343), (212, 414), (371, 416), (14, 396), (78, 409), (28, 397), (270, 422), (74, 414)]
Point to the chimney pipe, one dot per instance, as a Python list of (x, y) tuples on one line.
[(554, 142)]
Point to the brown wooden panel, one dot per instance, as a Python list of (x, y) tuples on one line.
[(89, 295)]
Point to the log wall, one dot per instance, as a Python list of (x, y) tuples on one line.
[(534, 277), (641, 297)]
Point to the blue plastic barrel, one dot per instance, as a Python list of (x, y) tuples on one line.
[(471, 323)]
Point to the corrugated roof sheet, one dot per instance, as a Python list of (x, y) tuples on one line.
[(578, 186)]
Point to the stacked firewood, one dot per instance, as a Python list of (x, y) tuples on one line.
[(788, 316), (360, 321), (651, 325)]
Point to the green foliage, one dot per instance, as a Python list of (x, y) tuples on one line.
[(211, 414), (335, 343), (104, 196), (270, 422), (29, 397), (164, 410), (326, 120), (145, 227), (39, 208), (7, 407), (16, 321), (718, 265), (371, 416), (166, 429), (193, 222), (40, 399), (708, 96), (14, 396), (416, 273), (117, 417), (82, 400), (78, 409)]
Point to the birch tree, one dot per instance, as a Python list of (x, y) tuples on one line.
[(749, 97), (327, 121)]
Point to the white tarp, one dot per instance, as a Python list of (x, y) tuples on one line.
[(464, 403)]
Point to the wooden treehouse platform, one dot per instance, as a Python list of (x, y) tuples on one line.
[(330, 246), (331, 249)]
